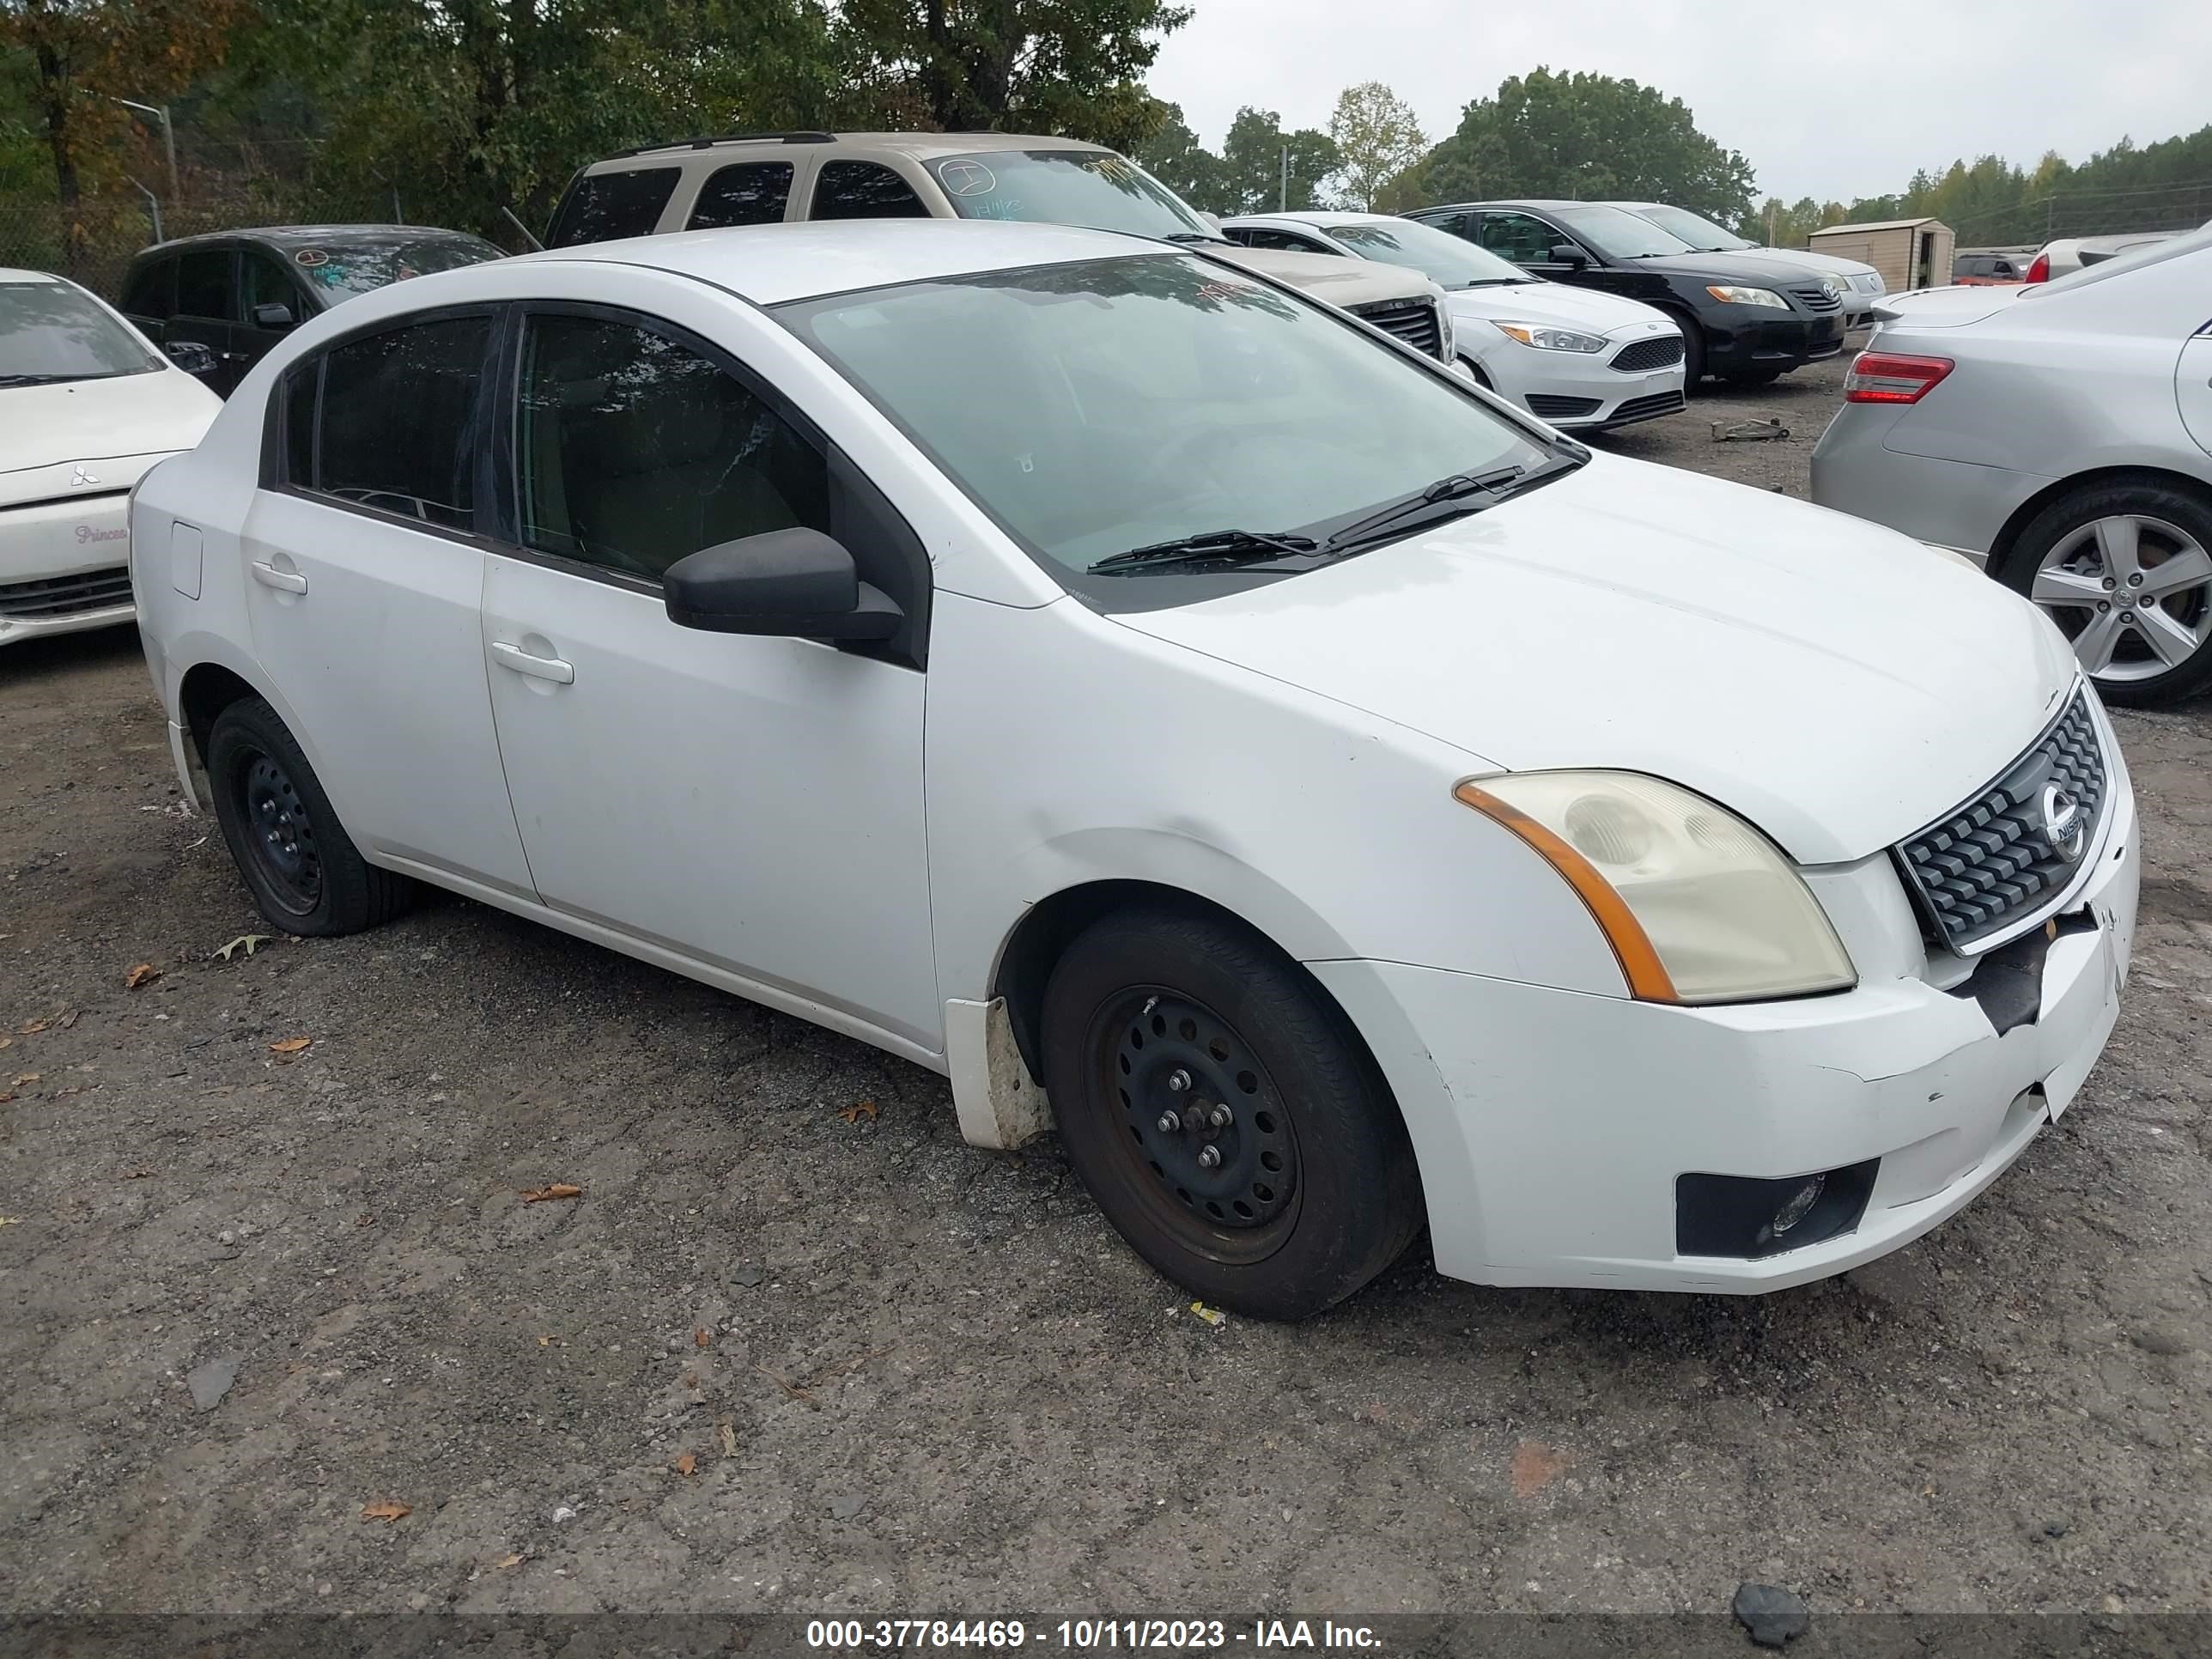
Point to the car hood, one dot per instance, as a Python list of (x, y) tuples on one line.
[(42, 426), (1341, 281), (1750, 269), (1556, 302), (1839, 685)]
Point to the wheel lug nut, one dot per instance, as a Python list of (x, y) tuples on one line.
[(2103, 605), (2110, 584), (1178, 1081), (2136, 580), (1209, 1157), (1221, 1117), (1169, 1124)]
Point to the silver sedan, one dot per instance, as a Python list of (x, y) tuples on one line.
[(2061, 436)]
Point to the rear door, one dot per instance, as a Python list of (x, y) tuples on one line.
[(2193, 386), (365, 579)]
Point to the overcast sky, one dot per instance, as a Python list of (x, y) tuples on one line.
[(1832, 101)]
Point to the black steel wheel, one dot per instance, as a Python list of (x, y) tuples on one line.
[(296, 857), (1224, 1114)]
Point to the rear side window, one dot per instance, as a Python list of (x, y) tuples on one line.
[(602, 207), (864, 189), (391, 421), (750, 193), (153, 292), (203, 284)]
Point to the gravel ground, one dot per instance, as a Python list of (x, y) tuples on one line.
[(796, 1348)]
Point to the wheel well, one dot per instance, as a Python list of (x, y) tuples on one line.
[(1475, 370), (2025, 513), (208, 688)]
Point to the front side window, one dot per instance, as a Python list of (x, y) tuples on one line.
[(1098, 407), (603, 207), (1442, 258), (632, 451), (391, 421), (1282, 240), (864, 189), (52, 332), (204, 285), (748, 193), (1092, 188), (265, 283)]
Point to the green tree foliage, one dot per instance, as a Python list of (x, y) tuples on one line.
[(1173, 155), (1590, 136), (1252, 164), (1378, 138)]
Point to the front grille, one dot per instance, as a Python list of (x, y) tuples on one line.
[(1648, 354), (1643, 409), (1413, 321), (1992, 861), (1817, 299), (65, 596), (1561, 409)]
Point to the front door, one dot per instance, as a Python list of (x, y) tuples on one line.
[(206, 304), (265, 285), (752, 804), (364, 580)]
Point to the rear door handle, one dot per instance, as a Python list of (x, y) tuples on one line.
[(543, 668), (284, 581)]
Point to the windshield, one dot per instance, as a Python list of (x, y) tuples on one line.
[(1114, 404), (339, 271), (1699, 232), (1618, 234), (53, 331), (1093, 189), (1439, 255)]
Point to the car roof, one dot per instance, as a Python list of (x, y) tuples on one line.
[(771, 264), (1318, 218), (11, 274), (298, 236), (922, 146), (1536, 204)]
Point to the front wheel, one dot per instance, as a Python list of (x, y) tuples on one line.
[(1750, 380), (2124, 568), (1224, 1115), (1693, 355)]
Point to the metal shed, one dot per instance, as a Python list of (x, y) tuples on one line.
[(1908, 253)]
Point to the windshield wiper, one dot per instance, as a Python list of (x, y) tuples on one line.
[(32, 379), (1209, 547), (1452, 497)]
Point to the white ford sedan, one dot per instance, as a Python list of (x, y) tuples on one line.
[(86, 404), (1183, 716)]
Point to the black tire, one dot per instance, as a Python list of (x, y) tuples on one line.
[(1750, 380), (1693, 353), (1316, 1190), (296, 859), (2177, 515)]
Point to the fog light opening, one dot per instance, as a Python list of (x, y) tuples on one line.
[(1797, 1205)]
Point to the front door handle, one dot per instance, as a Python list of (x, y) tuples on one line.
[(543, 668), (284, 581)]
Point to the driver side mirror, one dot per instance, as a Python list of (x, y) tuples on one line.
[(793, 584), (272, 316), (190, 356), (1567, 254)]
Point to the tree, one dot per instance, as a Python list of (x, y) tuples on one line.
[(1378, 135), (1070, 67), (1252, 164), (1173, 156), (1589, 137)]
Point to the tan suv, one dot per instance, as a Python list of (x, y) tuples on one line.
[(712, 183)]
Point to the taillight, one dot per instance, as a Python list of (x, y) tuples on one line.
[(2039, 270), (1878, 377)]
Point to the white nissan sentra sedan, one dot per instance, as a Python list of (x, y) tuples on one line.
[(1183, 716), (86, 404)]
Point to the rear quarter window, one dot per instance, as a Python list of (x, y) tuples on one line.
[(604, 207), (747, 193)]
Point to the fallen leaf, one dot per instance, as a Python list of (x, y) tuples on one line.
[(22, 1078), (144, 974), (859, 1110), (69, 1018), (509, 1561), (1211, 1315), (248, 943), (364, 1220), (387, 1510), (31, 1028), (699, 1337), (687, 1464), (6, 1096), (544, 1341), (558, 1189), (7, 1043), (784, 1382), (140, 1175), (690, 1379), (290, 1045), (728, 1435), (1535, 1466), (11, 1221)]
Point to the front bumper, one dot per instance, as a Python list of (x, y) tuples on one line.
[(1740, 338), (1553, 1126), (64, 567), (1574, 391)]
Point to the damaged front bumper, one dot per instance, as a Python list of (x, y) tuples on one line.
[(1571, 1122)]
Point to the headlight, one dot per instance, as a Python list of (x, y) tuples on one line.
[(1698, 906), (1728, 294), (1552, 339)]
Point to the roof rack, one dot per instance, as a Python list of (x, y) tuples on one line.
[(798, 138)]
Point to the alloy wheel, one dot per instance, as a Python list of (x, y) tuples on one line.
[(2133, 593)]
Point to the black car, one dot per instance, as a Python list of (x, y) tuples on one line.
[(216, 303), (1742, 320)]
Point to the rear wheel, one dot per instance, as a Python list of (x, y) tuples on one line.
[(296, 859), (1224, 1115), (2124, 568)]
